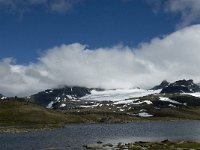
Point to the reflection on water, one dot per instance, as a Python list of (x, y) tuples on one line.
[(74, 136)]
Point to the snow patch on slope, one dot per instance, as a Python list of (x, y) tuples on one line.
[(142, 102), (118, 94), (3, 98), (125, 101), (197, 94), (50, 104), (62, 105), (144, 114), (166, 99)]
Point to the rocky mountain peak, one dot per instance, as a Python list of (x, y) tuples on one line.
[(163, 84), (181, 86)]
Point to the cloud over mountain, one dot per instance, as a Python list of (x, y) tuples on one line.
[(172, 57)]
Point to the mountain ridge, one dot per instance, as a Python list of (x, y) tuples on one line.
[(66, 93), (138, 103), (162, 85), (181, 86), (72, 96)]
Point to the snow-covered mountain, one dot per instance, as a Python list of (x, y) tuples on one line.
[(73, 97), (53, 97)]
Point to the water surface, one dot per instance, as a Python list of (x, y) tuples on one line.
[(73, 137)]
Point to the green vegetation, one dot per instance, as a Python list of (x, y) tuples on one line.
[(17, 115), (22, 115), (178, 113)]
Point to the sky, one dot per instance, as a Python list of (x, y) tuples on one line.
[(97, 43)]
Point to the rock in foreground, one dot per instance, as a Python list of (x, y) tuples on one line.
[(141, 145)]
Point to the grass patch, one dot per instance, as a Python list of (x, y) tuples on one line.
[(20, 114)]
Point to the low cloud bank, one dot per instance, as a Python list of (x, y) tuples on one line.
[(172, 57)]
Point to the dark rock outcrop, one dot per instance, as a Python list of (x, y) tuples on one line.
[(58, 95), (181, 86), (163, 84)]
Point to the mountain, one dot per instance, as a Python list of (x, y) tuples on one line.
[(181, 86), (132, 102), (79, 98), (75, 97), (163, 84), (1, 96), (137, 103), (49, 97)]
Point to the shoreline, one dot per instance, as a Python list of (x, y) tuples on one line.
[(145, 145)]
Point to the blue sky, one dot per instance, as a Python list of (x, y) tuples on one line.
[(24, 35)]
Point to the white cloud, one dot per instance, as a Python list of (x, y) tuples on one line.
[(172, 57), (189, 10), (21, 6)]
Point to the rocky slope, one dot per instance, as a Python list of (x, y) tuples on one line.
[(163, 84), (49, 97), (181, 86)]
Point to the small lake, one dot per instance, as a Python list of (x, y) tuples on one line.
[(73, 137)]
